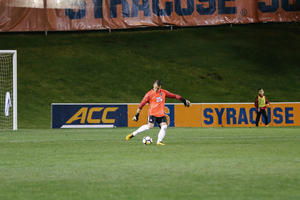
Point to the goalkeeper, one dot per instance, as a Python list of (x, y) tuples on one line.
[(156, 100)]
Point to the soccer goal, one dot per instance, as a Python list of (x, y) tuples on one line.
[(8, 90)]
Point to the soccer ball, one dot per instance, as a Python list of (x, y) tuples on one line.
[(147, 140)]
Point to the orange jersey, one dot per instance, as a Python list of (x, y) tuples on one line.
[(156, 101)]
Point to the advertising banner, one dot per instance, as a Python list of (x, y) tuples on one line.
[(89, 115), (60, 15), (198, 115), (284, 114), (188, 117), (244, 115), (228, 115)]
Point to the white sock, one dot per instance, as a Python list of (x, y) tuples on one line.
[(162, 133), (141, 129)]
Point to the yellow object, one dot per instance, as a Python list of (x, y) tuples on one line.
[(160, 143), (129, 136), (261, 101)]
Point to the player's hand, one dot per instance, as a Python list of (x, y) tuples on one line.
[(136, 117), (187, 103)]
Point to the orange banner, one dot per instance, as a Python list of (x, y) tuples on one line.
[(228, 115), (59, 15), (188, 117), (244, 115), (221, 115)]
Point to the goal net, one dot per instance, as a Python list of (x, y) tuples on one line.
[(8, 89)]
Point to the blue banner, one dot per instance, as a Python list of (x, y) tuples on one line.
[(89, 115)]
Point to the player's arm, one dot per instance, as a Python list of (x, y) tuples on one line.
[(186, 103), (256, 102), (267, 102), (143, 102)]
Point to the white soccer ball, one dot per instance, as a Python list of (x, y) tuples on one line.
[(147, 140)]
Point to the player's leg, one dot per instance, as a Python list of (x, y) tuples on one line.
[(265, 115), (163, 128), (258, 117), (141, 129)]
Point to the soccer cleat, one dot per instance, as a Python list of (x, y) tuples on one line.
[(160, 143), (129, 136), (267, 125)]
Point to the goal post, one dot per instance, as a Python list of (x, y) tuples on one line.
[(8, 89)]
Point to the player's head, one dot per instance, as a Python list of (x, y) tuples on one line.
[(158, 82), (261, 91), (157, 85)]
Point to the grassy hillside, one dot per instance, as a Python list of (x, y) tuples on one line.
[(203, 64)]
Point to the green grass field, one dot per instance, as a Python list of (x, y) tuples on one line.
[(196, 163)]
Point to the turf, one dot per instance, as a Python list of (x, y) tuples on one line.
[(196, 163), (202, 64)]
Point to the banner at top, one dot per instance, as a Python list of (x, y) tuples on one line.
[(59, 15)]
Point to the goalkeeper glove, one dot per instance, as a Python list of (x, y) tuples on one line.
[(186, 103), (136, 117)]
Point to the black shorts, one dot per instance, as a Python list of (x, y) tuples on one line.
[(152, 119)]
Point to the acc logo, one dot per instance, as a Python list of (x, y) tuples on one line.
[(87, 115)]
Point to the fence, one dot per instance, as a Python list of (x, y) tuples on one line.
[(63, 15)]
